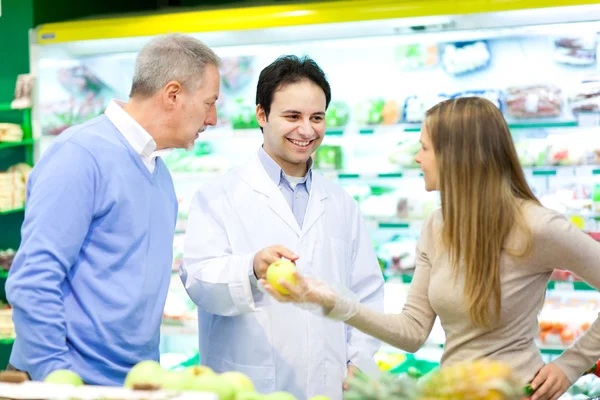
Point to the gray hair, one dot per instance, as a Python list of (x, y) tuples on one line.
[(172, 57)]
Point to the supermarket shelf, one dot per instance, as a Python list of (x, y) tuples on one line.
[(562, 171), (13, 211), (25, 142), (524, 124), (570, 286), (553, 351)]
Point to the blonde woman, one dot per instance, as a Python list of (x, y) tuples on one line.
[(483, 260)]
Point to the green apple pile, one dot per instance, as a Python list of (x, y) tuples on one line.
[(230, 385)]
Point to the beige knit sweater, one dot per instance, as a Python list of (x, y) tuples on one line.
[(557, 243)]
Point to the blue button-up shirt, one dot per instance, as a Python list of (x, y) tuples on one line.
[(295, 190)]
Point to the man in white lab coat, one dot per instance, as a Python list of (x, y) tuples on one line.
[(276, 206)]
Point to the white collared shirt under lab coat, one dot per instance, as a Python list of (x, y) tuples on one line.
[(279, 346)]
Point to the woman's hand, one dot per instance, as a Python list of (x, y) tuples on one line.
[(549, 383), (305, 290)]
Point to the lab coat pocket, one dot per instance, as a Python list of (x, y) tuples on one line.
[(334, 379), (263, 377), (341, 255)]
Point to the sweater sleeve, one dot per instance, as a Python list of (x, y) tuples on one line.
[(410, 329), (60, 207), (563, 246)]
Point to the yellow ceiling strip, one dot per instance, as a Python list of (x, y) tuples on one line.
[(276, 16)]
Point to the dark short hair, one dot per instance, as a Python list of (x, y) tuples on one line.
[(287, 70)]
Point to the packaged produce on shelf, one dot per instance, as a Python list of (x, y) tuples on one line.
[(243, 115), (399, 204), (369, 112), (6, 259), (10, 133), (417, 56), (495, 96), (532, 152), (329, 157), (575, 50), (200, 158), (564, 151), (404, 153), (465, 57), (586, 387), (237, 73), (533, 101), (586, 97), (416, 106), (7, 328), (399, 255), (564, 318), (179, 308), (338, 114), (13, 187), (391, 113)]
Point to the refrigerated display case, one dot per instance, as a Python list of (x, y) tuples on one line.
[(387, 62)]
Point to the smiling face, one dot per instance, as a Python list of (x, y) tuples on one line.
[(426, 159), (295, 126)]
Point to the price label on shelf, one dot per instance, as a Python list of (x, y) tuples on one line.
[(588, 119), (564, 286)]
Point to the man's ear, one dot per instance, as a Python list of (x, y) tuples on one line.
[(261, 116), (170, 92)]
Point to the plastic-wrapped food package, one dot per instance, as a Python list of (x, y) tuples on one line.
[(417, 56), (338, 114), (465, 57), (416, 106), (404, 153), (534, 101), (492, 95), (575, 51), (399, 254), (10, 133), (532, 152), (564, 320), (586, 97)]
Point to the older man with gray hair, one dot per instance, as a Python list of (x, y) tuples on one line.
[(89, 282)]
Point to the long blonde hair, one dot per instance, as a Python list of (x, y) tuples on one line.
[(482, 187)]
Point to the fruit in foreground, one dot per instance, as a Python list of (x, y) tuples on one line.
[(215, 384), (145, 372), (474, 380), (281, 270), (280, 396), (64, 377), (250, 396), (482, 379), (239, 381)]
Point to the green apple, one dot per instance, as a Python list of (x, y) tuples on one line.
[(213, 384), (250, 396), (280, 396), (281, 269), (239, 381), (197, 371), (64, 377), (172, 380), (145, 372)]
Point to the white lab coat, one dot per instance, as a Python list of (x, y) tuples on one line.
[(279, 346)]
